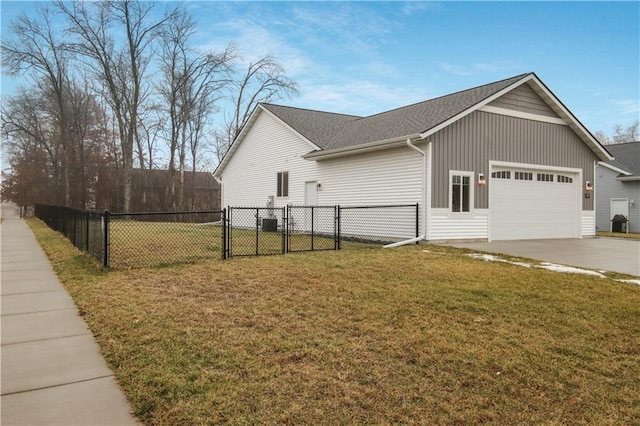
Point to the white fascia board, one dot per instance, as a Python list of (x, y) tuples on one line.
[(475, 107), (574, 124), (366, 147), (234, 145), (614, 168), (279, 120), (254, 115)]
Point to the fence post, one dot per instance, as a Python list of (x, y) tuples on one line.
[(105, 261), (338, 237), (257, 229), (224, 234), (86, 218), (286, 211), (418, 222)]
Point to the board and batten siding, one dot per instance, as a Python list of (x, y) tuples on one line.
[(608, 187), (251, 175), (524, 99), (471, 142)]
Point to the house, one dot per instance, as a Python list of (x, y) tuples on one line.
[(502, 161), (150, 192), (618, 184)]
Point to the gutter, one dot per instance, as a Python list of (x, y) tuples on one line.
[(370, 146), (424, 200)]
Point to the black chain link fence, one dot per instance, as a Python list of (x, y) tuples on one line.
[(162, 239), (256, 231), (373, 226), (312, 228), (134, 240), (85, 229)]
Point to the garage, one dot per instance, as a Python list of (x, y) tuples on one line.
[(526, 202)]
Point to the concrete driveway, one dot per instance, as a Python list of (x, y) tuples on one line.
[(609, 254)]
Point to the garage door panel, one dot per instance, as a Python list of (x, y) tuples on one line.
[(529, 209)]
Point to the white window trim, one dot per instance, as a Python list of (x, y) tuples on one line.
[(472, 184), (288, 186)]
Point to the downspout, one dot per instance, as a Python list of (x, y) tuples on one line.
[(424, 199), (221, 190)]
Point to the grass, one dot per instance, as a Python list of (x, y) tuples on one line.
[(362, 337), (135, 244), (634, 236)]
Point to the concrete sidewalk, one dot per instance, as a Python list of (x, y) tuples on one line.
[(52, 369)]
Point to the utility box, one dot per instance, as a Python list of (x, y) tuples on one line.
[(619, 223), (270, 225)]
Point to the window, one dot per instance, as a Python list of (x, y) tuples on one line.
[(283, 184), (545, 177), (564, 179), (461, 191), (524, 176), (505, 174)]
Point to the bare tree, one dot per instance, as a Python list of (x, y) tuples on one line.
[(621, 134), (35, 48), (120, 66), (263, 81), (190, 86)]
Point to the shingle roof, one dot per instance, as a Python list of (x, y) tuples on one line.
[(333, 131), (627, 156), (317, 126)]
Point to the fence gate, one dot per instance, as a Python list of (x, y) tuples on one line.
[(312, 228), (256, 231)]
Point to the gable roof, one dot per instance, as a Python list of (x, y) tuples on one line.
[(626, 157), (411, 120), (331, 134)]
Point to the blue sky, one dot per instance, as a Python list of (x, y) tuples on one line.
[(367, 57)]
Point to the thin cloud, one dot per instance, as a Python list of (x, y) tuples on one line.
[(626, 106), (499, 66), (358, 98)]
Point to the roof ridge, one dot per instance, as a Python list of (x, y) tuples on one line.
[(310, 110), (621, 143), (520, 76)]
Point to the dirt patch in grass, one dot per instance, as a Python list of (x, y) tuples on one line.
[(362, 337)]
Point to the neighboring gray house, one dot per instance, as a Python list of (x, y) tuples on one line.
[(502, 161), (619, 187)]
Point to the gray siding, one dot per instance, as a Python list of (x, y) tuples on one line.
[(470, 143), (607, 187), (523, 98)]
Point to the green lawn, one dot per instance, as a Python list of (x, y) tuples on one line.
[(397, 336), (632, 235), (136, 244)]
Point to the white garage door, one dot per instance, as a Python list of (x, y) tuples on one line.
[(533, 203)]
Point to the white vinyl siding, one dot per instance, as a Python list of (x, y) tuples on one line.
[(443, 226), (270, 147), (392, 176)]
